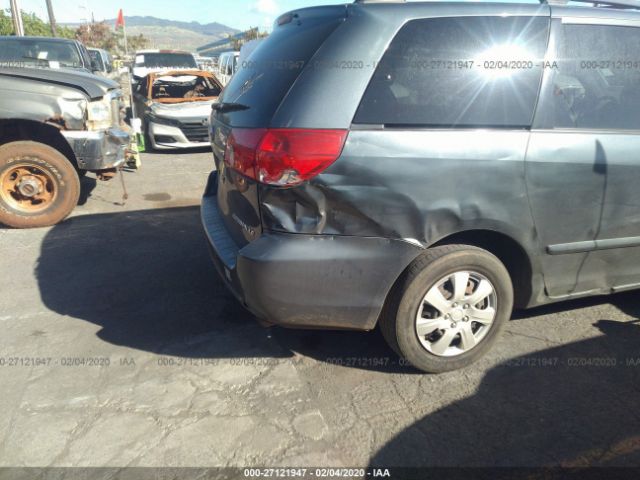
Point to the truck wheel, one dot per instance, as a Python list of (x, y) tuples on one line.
[(448, 308), (39, 186)]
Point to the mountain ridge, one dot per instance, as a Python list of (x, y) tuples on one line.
[(213, 28), (163, 33)]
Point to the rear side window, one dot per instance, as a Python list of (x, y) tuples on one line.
[(597, 80), (459, 72), (265, 77)]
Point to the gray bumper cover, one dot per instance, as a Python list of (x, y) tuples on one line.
[(99, 150), (313, 281)]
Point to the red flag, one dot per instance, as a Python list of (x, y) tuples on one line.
[(120, 20)]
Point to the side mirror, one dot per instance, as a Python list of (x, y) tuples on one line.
[(94, 66)]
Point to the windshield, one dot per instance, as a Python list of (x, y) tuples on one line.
[(39, 52), (166, 60)]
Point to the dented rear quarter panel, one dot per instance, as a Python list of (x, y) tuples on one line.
[(419, 186)]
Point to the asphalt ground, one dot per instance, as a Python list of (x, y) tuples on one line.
[(120, 347)]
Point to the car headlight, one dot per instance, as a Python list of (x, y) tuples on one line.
[(163, 121), (99, 114)]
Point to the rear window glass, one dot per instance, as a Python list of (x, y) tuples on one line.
[(459, 72), (39, 52), (265, 77), (173, 60)]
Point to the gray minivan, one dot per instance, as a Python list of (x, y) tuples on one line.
[(429, 167)]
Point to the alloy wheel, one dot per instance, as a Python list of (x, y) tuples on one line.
[(456, 314)]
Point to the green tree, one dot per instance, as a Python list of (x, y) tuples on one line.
[(6, 28), (32, 25)]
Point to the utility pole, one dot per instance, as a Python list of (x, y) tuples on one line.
[(16, 15), (52, 19)]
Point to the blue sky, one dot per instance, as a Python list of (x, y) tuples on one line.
[(239, 14)]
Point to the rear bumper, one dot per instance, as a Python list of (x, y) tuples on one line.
[(307, 281)]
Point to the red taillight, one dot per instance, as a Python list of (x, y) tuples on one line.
[(283, 157), (241, 150)]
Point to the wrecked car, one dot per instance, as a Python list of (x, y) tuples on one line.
[(55, 125), (174, 108), (485, 157)]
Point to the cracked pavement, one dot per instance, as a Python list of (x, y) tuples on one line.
[(121, 347)]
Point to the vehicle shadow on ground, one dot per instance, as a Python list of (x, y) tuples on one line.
[(571, 406), (87, 186), (627, 302), (146, 279), (182, 151)]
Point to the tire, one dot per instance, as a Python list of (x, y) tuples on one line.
[(408, 306), (148, 146), (26, 167)]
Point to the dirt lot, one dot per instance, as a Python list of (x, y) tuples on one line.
[(120, 347)]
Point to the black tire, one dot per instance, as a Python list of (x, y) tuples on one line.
[(46, 163), (398, 321), (148, 146)]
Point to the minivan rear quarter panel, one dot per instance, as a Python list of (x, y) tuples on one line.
[(478, 183)]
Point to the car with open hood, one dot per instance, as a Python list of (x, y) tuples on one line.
[(175, 107)]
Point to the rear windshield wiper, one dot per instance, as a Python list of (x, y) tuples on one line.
[(229, 107)]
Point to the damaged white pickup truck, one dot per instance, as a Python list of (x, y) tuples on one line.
[(55, 125)]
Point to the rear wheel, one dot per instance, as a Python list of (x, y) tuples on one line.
[(38, 185), (449, 308)]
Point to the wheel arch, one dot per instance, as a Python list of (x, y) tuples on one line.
[(520, 265), (14, 130)]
